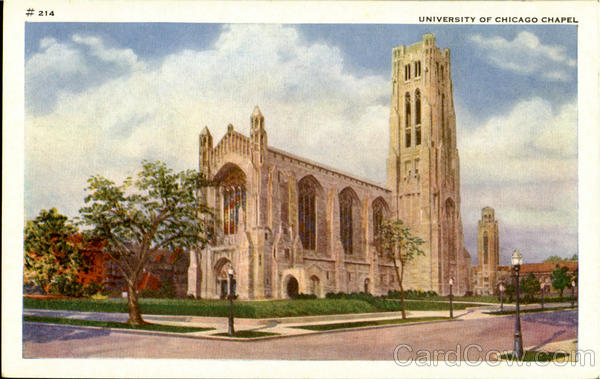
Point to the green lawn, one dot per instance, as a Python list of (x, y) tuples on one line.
[(530, 310), (492, 299), (535, 356), (116, 325), (358, 324), (247, 334), (244, 309)]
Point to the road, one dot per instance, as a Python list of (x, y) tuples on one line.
[(442, 341)]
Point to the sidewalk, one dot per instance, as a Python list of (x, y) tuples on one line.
[(284, 326)]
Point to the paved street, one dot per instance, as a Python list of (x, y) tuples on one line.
[(490, 334)]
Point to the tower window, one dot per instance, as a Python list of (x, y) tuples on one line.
[(417, 69), (407, 72), (418, 117), (443, 112), (407, 118), (485, 248)]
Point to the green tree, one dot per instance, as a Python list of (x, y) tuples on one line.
[(574, 257), (530, 285), (510, 291), (561, 279), (51, 256), (159, 209), (554, 258), (402, 248)]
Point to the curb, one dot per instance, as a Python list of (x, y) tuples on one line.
[(239, 339)]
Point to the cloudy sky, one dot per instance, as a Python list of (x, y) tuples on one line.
[(100, 98)]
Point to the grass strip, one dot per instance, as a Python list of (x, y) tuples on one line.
[(358, 324), (247, 334), (243, 309), (114, 324), (535, 356), (529, 311)]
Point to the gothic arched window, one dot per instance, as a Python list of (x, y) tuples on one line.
[(485, 248), (307, 217), (346, 221), (234, 198), (348, 202), (232, 182), (407, 119), (443, 112), (418, 117), (378, 210)]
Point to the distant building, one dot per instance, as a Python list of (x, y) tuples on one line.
[(542, 271), (488, 254)]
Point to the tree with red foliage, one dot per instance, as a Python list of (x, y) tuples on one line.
[(59, 259)]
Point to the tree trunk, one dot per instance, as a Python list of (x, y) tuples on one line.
[(400, 277), (561, 294), (135, 317)]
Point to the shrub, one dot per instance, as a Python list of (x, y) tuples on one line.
[(304, 296), (166, 291)]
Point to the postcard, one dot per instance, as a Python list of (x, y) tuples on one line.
[(300, 189)]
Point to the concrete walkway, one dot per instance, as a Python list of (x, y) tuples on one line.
[(284, 326)]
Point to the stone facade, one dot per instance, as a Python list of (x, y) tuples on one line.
[(423, 164), (486, 272), (288, 225)]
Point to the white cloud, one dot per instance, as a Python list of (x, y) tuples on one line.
[(124, 57), (523, 164), (532, 143), (65, 67), (311, 107), (525, 54)]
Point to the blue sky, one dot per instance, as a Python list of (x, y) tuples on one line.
[(101, 97)]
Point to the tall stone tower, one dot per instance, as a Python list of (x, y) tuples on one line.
[(423, 165), (488, 252)]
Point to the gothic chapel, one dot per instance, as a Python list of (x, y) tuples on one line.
[(288, 225)]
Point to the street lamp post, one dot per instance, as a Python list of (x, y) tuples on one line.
[(572, 293), (231, 296), (501, 289), (543, 289), (517, 260), (451, 282)]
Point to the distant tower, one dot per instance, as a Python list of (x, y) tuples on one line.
[(423, 165), (488, 251)]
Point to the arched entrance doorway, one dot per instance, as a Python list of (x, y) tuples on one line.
[(315, 285), (291, 287), (367, 282), (222, 277)]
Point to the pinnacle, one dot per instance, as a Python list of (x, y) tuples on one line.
[(256, 112), (205, 130)]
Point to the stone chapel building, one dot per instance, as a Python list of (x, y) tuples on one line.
[(288, 225)]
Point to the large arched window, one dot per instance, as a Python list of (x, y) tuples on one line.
[(417, 117), (232, 182), (349, 220), (485, 248), (378, 216), (307, 215), (407, 119), (234, 199)]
